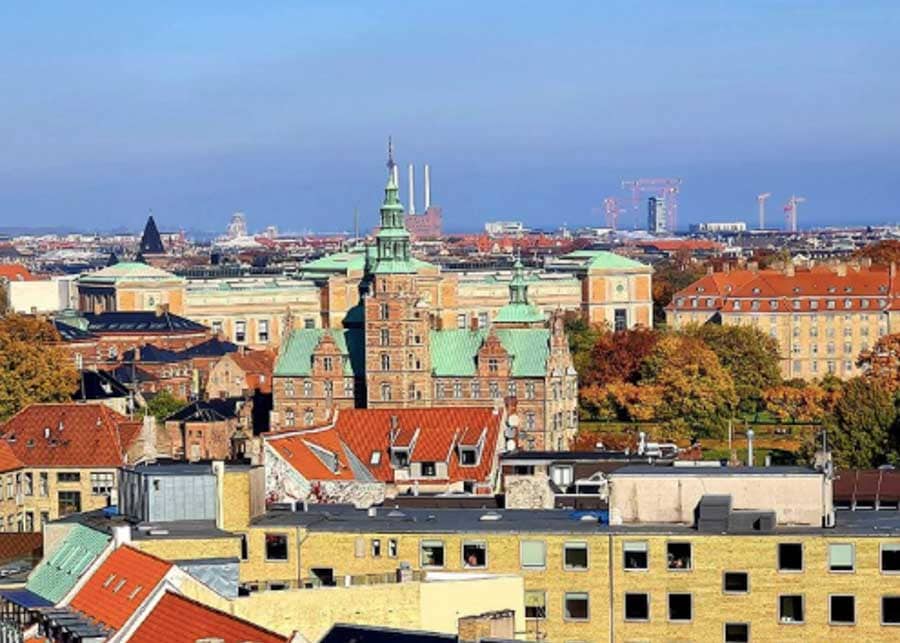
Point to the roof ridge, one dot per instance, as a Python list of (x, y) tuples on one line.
[(177, 595)]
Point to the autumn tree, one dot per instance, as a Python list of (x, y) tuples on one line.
[(617, 356), (882, 252), (788, 403), (33, 367), (669, 276), (882, 362), (749, 355), (860, 428), (696, 393)]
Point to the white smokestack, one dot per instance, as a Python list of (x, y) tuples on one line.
[(396, 175), (427, 186), (412, 190)]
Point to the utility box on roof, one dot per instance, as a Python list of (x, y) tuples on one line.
[(166, 493)]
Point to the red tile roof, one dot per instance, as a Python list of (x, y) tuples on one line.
[(119, 586), (179, 619), (366, 431), (258, 367), (67, 435), (8, 460), (15, 272)]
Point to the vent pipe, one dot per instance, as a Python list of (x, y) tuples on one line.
[(427, 187)]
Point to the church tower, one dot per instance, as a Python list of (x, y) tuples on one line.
[(397, 320)]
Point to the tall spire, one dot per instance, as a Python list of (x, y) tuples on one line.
[(392, 240), (518, 287)]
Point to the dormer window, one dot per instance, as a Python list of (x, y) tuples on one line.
[(327, 363), (429, 470), (701, 289), (736, 305), (469, 456), (773, 303), (756, 291), (400, 456)]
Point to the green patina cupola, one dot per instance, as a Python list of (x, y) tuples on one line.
[(392, 243), (518, 310), (518, 289)]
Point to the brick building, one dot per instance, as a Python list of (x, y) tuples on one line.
[(395, 353)]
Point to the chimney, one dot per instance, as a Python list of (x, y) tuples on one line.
[(121, 535), (427, 187), (412, 190)]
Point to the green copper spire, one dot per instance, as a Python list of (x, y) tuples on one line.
[(518, 310), (518, 289), (392, 241)]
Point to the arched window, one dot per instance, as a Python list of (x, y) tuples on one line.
[(386, 392), (385, 337), (309, 417), (385, 362)]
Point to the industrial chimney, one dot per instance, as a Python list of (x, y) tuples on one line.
[(412, 190), (427, 187)]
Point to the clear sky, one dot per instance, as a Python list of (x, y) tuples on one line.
[(525, 110)]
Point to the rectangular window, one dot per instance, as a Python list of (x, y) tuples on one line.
[(376, 548), (620, 319), (29, 485), (840, 557), (69, 502), (217, 327), (482, 320), (263, 330), (890, 558), (678, 556), (790, 557), (736, 582), (841, 610), (44, 482), (432, 553), (576, 606), (68, 476), (429, 470), (245, 547), (535, 604), (474, 555), (240, 331), (102, 483), (533, 554), (635, 555), (392, 547), (575, 556), (790, 608), (461, 322), (680, 607), (276, 547), (890, 610), (637, 607), (737, 633)]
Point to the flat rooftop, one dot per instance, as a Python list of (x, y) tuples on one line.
[(651, 470)]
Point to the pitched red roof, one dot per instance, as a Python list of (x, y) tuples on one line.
[(68, 435), (8, 460), (15, 272), (120, 586), (366, 431), (179, 619), (258, 367)]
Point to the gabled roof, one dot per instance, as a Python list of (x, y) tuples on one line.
[(132, 373), (59, 571), (119, 587), (214, 347), (154, 354), (295, 357), (99, 385), (69, 435), (140, 322), (70, 333), (454, 352), (214, 410), (193, 621), (151, 243)]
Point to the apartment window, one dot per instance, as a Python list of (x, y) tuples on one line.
[(841, 610), (383, 311), (890, 610), (385, 392), (678, 556), (474, 555), (461, 322), (309, 322), (245, 547), (790, 557), (432, 553), (790, 608), (576, 606), (289, 417), (680, 607), (329, 389), (262, 331), (68, 476), (28, 484), (620, 319), (102, 484), (348, 387), (376, 548), (385, 362), (535, 604), (533, 554), (575, 556), (240, 331), (890, 558), (635, 555), (737, 633), (44, 483), (840, 557), (529, 390), (307, 388), (476, 390), (217, 327), (276, 547), (429, 470), (511, 389), (736, 582), (457, 390), (392, 547), (494, 390), (530, 421), (637, 607), (327, 363), (69, 502)]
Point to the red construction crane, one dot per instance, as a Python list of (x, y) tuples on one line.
[(790, 212), (665, 188)]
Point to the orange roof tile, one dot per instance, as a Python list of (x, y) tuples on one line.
[(310, 452), (8, 460), (15, 272), (179, 619), (119, 586)]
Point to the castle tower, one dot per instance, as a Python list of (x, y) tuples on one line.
[(398, 364), (519, 312)]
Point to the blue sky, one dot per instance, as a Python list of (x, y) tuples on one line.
[(525, 110)]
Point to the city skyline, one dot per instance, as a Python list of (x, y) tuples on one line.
[(284, 113)]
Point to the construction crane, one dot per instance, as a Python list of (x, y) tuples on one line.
[(611, 207), (666, 188), (761, 200), (790, 212)]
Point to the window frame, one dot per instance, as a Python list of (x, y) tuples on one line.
[(690, 566), (778, 565), (543, 592), (739, 623), (462, 553), (732, 592), (852, 569), (781, 620), (587, 554), (881, 569), (831, 620), (587, 599), (669, 618), (881, 610), (625, 607), (522, 544), (432, 542), (287, 547), (646, 556)]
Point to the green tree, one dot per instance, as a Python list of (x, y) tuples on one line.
[(162, 405), (860, 427), (33, 367), (749, 355), (582, 337), (669, 276), (696, 393)]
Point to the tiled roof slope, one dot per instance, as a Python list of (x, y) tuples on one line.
[(182, 620), (119, 586), (15, 272), (57, 573), (295, 356), (140, 322), (453, 352), (69, 435)]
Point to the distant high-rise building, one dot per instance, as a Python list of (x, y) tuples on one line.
[(656, 215)]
